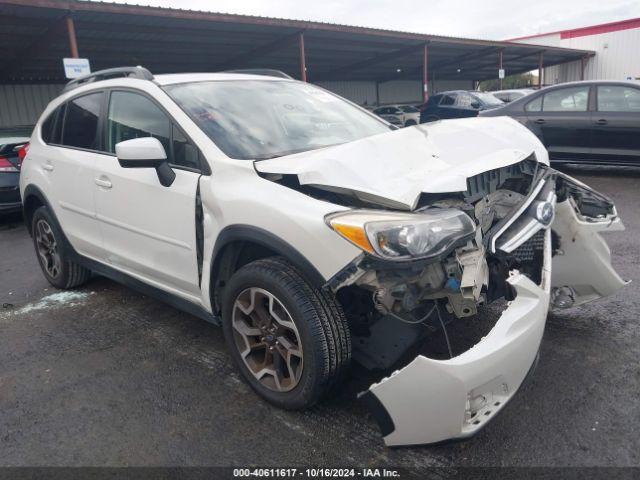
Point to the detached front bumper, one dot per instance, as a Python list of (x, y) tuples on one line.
[(431, 401)]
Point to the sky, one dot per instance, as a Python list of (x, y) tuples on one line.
[(485, 19)]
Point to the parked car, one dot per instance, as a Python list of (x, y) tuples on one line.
[(594, 122), (393, 115), (315, 234), (457, 104), (508, 96), (13, 147)]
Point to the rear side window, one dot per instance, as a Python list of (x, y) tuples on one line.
[(448, 100), (573, 99), (81, 122), (612, 98)]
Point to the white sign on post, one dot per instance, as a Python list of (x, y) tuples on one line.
[(501, 73), (76, 67)]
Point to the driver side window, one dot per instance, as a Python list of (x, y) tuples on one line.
[(132, 115)]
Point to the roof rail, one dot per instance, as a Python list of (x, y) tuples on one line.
[(134, 72), (261, 71)]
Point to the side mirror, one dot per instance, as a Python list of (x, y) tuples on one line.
[(146, 152), (475, 105)]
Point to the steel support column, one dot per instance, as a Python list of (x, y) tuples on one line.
[(583, 64), (540, 69), (303, 60), (73, 43), (500, 67), (425, 73)]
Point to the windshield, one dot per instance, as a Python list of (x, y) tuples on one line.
[(489, 99), (259, 119)]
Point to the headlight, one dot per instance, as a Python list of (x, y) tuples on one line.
[(403, 236)]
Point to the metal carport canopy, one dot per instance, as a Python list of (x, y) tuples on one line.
[(36, 34)]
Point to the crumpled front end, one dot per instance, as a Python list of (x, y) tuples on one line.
[(529, 218), (430, 401)]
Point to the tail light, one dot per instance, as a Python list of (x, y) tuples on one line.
[(6, 165), (14, 166), (22, 153)]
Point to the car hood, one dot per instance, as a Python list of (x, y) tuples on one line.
[(393, 169)]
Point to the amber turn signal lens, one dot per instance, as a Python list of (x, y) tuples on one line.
[(354, 234)]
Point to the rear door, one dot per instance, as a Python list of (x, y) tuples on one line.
[(149, 230), (616, 124), (68, 166), (562, 120)]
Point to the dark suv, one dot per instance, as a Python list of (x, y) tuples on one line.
[(595, 122), (457, 104)]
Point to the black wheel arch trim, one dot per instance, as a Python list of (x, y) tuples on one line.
[(249, 233)]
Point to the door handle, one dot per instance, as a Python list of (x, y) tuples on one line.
[(602, 121), (539, 121), (103, 183), (48, 167)]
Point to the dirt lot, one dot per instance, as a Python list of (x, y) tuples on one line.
[(105, 376)]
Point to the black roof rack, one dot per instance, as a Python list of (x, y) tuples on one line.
[(134, 72), (261, 71)]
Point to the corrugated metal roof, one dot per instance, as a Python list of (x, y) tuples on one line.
[(169, 40)]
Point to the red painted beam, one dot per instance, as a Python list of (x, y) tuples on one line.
[(73, 42)]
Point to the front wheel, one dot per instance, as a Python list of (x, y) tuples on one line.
[(290, 340)]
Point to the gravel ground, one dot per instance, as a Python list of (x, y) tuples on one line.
[(104, 376)]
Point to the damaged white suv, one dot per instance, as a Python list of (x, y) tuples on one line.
[(317, 234)]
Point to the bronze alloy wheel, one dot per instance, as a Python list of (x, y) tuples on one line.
[(267, 339), (47, 248)]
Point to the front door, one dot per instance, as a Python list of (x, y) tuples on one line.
[(616, 124), (149, 230)]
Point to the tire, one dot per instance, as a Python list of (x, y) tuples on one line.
[(410, 123), (53, 258), (321, 333), (431, 118)]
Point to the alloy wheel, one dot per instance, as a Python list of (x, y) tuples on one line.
[(47, 248), (267, 339)]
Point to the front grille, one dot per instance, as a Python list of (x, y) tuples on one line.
[(528, 250)]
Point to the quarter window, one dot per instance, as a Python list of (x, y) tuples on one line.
[(81, 122), (46, 130), (534, 105), (573, 99), (613, 98), (184, 153)]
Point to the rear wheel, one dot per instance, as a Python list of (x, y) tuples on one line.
[(290, 340), (57, 268), (410, 123)]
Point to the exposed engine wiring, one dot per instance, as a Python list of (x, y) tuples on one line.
[(444, 329)]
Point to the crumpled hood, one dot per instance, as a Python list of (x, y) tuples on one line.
[(392, 169)]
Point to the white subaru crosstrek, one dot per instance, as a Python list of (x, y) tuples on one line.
[(318, 235)]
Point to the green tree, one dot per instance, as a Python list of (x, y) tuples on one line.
[(522, 80)]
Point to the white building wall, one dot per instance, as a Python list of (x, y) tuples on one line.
[(23, 104), (617, 56)]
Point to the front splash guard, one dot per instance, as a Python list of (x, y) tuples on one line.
[(430, 401)]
